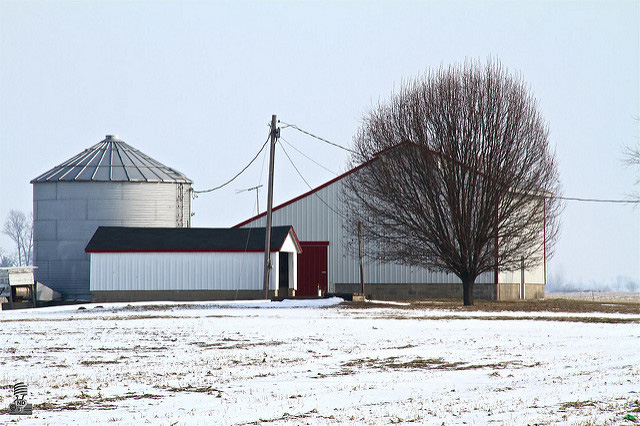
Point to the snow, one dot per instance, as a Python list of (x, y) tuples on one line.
[(317, 362)]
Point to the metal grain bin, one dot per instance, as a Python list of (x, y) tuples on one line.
[(108, 184)]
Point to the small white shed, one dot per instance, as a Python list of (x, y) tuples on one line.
[(142, 264)]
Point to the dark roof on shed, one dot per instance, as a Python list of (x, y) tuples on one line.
[(112, 160), (124, 239)]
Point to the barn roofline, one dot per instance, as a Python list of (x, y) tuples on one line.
[(294, 237), (332, 181), (300, 197)]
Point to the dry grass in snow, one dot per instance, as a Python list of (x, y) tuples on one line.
[(341, 364)]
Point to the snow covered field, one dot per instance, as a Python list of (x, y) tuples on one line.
[(318, 363)]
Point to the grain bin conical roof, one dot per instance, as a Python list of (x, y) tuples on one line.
[(112, 160)]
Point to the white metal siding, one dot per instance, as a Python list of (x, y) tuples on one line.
[(180, 271), (531, 276), (318, 217)]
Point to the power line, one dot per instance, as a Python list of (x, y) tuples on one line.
[(584, 200), (310, 187), (597, 200), (293, 126), (238, 174), (307, 157), (264, 159)]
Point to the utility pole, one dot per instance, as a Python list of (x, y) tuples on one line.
[(275, 133)]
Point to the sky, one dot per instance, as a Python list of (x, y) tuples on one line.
[(194, 85)]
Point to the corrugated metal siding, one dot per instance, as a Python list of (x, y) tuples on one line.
[(531, 276), (179, 271), (318, 217), (66, 214)]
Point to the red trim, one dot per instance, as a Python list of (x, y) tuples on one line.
[(314, 243), (306, 194), (295, 240)]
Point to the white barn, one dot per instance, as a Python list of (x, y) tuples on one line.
[(326, 263), (142, 264)]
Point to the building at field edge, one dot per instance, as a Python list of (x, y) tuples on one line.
[(326, 262)]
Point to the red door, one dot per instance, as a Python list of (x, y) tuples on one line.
[(312, 268)]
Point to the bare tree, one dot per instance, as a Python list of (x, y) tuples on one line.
[(19, 227), (632, 159), (632, 156), (5, 260), (460, 175), (27, 241)]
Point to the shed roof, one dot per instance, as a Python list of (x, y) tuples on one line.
[(112, 160), (123, 239)]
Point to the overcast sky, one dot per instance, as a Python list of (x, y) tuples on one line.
[(194, 85)]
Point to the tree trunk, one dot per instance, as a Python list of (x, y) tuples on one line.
[(467, 291)]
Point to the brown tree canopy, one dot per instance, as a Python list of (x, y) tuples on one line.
[(460, 175)]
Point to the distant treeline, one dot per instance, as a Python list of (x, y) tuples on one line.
[(556, 284)]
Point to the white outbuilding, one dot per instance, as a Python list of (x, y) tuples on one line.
[(142, 264)]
